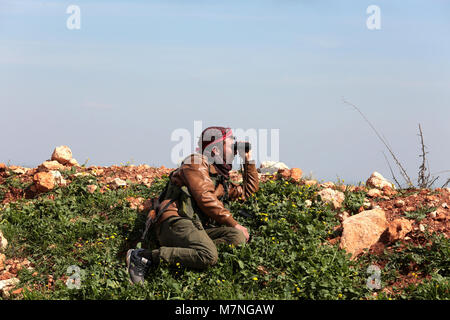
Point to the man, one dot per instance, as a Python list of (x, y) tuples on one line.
[(195, 219)]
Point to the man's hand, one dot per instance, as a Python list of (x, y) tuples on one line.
[(244, 231), (248, 156), (245, 155)]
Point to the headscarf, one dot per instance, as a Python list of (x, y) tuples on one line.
[(215, 137)]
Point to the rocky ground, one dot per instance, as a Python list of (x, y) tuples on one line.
[(385, 216)]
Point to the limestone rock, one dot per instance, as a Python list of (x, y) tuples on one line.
[(388, 191), (58, 178), (3, 242), (399, 203), (8, 282), (62, 154), (328, 184), (363, 230), (367, 204), (18, 170), (296, 174), (376, 180), (399, 228), (50, 165), (332, 196), (73, 163), (7, 285), (272, 167), (81, 174), (44, 181), (374, 193), (117, 182)]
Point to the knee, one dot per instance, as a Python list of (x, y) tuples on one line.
[(208, 256), (237, 237)]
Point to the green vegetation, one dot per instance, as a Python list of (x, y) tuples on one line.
[(288, 257), (353, 201), (420, 214)]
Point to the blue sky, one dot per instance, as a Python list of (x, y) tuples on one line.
[(116, 89)]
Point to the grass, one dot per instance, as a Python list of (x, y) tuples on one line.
[(288, 257), (420, 214)]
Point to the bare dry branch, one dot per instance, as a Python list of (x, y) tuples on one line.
[(402, 170), (422, 179), (446, 184), (392, 172)]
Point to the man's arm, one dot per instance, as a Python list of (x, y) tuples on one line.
[(201, 187), (250, 182)]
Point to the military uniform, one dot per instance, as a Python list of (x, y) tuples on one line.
[(195, 219)]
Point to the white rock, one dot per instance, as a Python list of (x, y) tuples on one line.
[(3, 242), (308, 203), (374, 193), (332, 196), (399, 203), (367, 204), (62, 154), (376, 180), (445, 205), (421, 227), (272, 167), (117, 182), (58, 178), (81, 174), (50, 165), (73, 163), (328, 184), (19, 170), (8, 283), (433, 214)]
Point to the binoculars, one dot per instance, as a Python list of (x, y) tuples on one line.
[(246, 146)]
